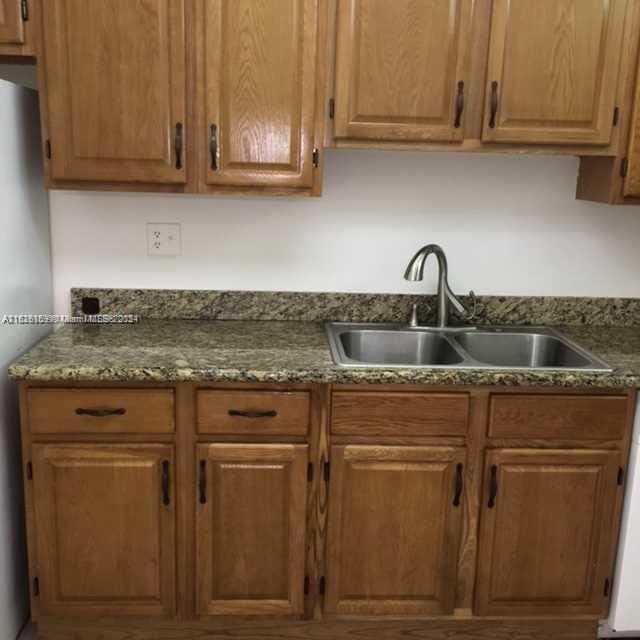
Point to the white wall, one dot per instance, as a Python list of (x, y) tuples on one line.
[(25, 287), (510, 225)]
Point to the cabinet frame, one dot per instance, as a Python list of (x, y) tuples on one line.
[(185, 438)]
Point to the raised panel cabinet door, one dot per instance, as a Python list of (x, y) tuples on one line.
[(395, 516), (402, 69), (116, 92), (250, 542), (258, 68), (546, 532), (553, 71), (11, 24), (632, 180), (105, 521)]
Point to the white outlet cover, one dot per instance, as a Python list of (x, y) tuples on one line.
[(164, 239)]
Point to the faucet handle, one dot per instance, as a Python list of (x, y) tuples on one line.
[(474, 300), (413, 320)]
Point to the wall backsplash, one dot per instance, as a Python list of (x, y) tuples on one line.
[(510, 226)]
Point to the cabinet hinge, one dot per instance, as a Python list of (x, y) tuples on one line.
[(616, 116), (332, 108), (316, 158), (307, 585), (30, 470), (620, 476), (47, 149), (624, 167), (36, 587), (322, 586), (327, 471), (310, 472), (24, 10), (607, 584)]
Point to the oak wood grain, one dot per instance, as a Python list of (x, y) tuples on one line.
[(257, 62), (398, 65), (237, 412), (558, 417), (141, 411), (250, 534), (393, 530), (398, 414), (11, 24), (545, 545), (106, 538), (565, 92), (116, 90)]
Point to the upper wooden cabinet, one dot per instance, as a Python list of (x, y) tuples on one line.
[(250, 529), (402, 69), (116, 90), (257, 84), (631, 186), (546, 532), (394, 525), (11, 22), (106, 529), (553, 71)]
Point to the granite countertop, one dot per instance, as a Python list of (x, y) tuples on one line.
[(279, 351)]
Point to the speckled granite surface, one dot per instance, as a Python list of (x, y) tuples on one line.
[(271, 351), (360, 307)]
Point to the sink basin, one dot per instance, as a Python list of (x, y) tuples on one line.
[(521, 350), (409, 348), (504, 348)]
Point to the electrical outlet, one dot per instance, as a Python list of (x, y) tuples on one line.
[(163, 239)]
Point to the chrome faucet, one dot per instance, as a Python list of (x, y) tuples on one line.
[(415, 271)]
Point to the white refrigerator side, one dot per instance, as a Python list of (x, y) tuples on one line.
[(625, 599), (25, 287)]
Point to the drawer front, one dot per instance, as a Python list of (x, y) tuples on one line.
[(558, 417), (399, 414), (99, 411), (272, 413)]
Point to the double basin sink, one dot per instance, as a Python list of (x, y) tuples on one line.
[(508, 348)]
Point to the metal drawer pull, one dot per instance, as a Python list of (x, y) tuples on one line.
[(178, 144), (165, 483), (100, 413), (252, 414), (459, 105), (213, 146), (202, 485), (493, 487), (494, 104), (459, 486)]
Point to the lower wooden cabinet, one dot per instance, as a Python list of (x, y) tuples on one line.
[(546, 532), (105, 518), (394, 525), (250, 534)]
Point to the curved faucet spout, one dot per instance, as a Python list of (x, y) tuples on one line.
[(415, 272)]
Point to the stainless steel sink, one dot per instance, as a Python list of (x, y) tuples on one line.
[(408, 348), (505, 348)]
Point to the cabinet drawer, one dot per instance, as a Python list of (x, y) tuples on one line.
[(558, 417), (399, 414), (253, 412), (98, 411)]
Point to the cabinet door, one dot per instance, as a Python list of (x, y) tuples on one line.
[(553, 71), (105, 523), (632, 180), (394, 528), (115, 78), (399, 66), (251, 529), (546, 532), (258, 76), (11, 25)]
